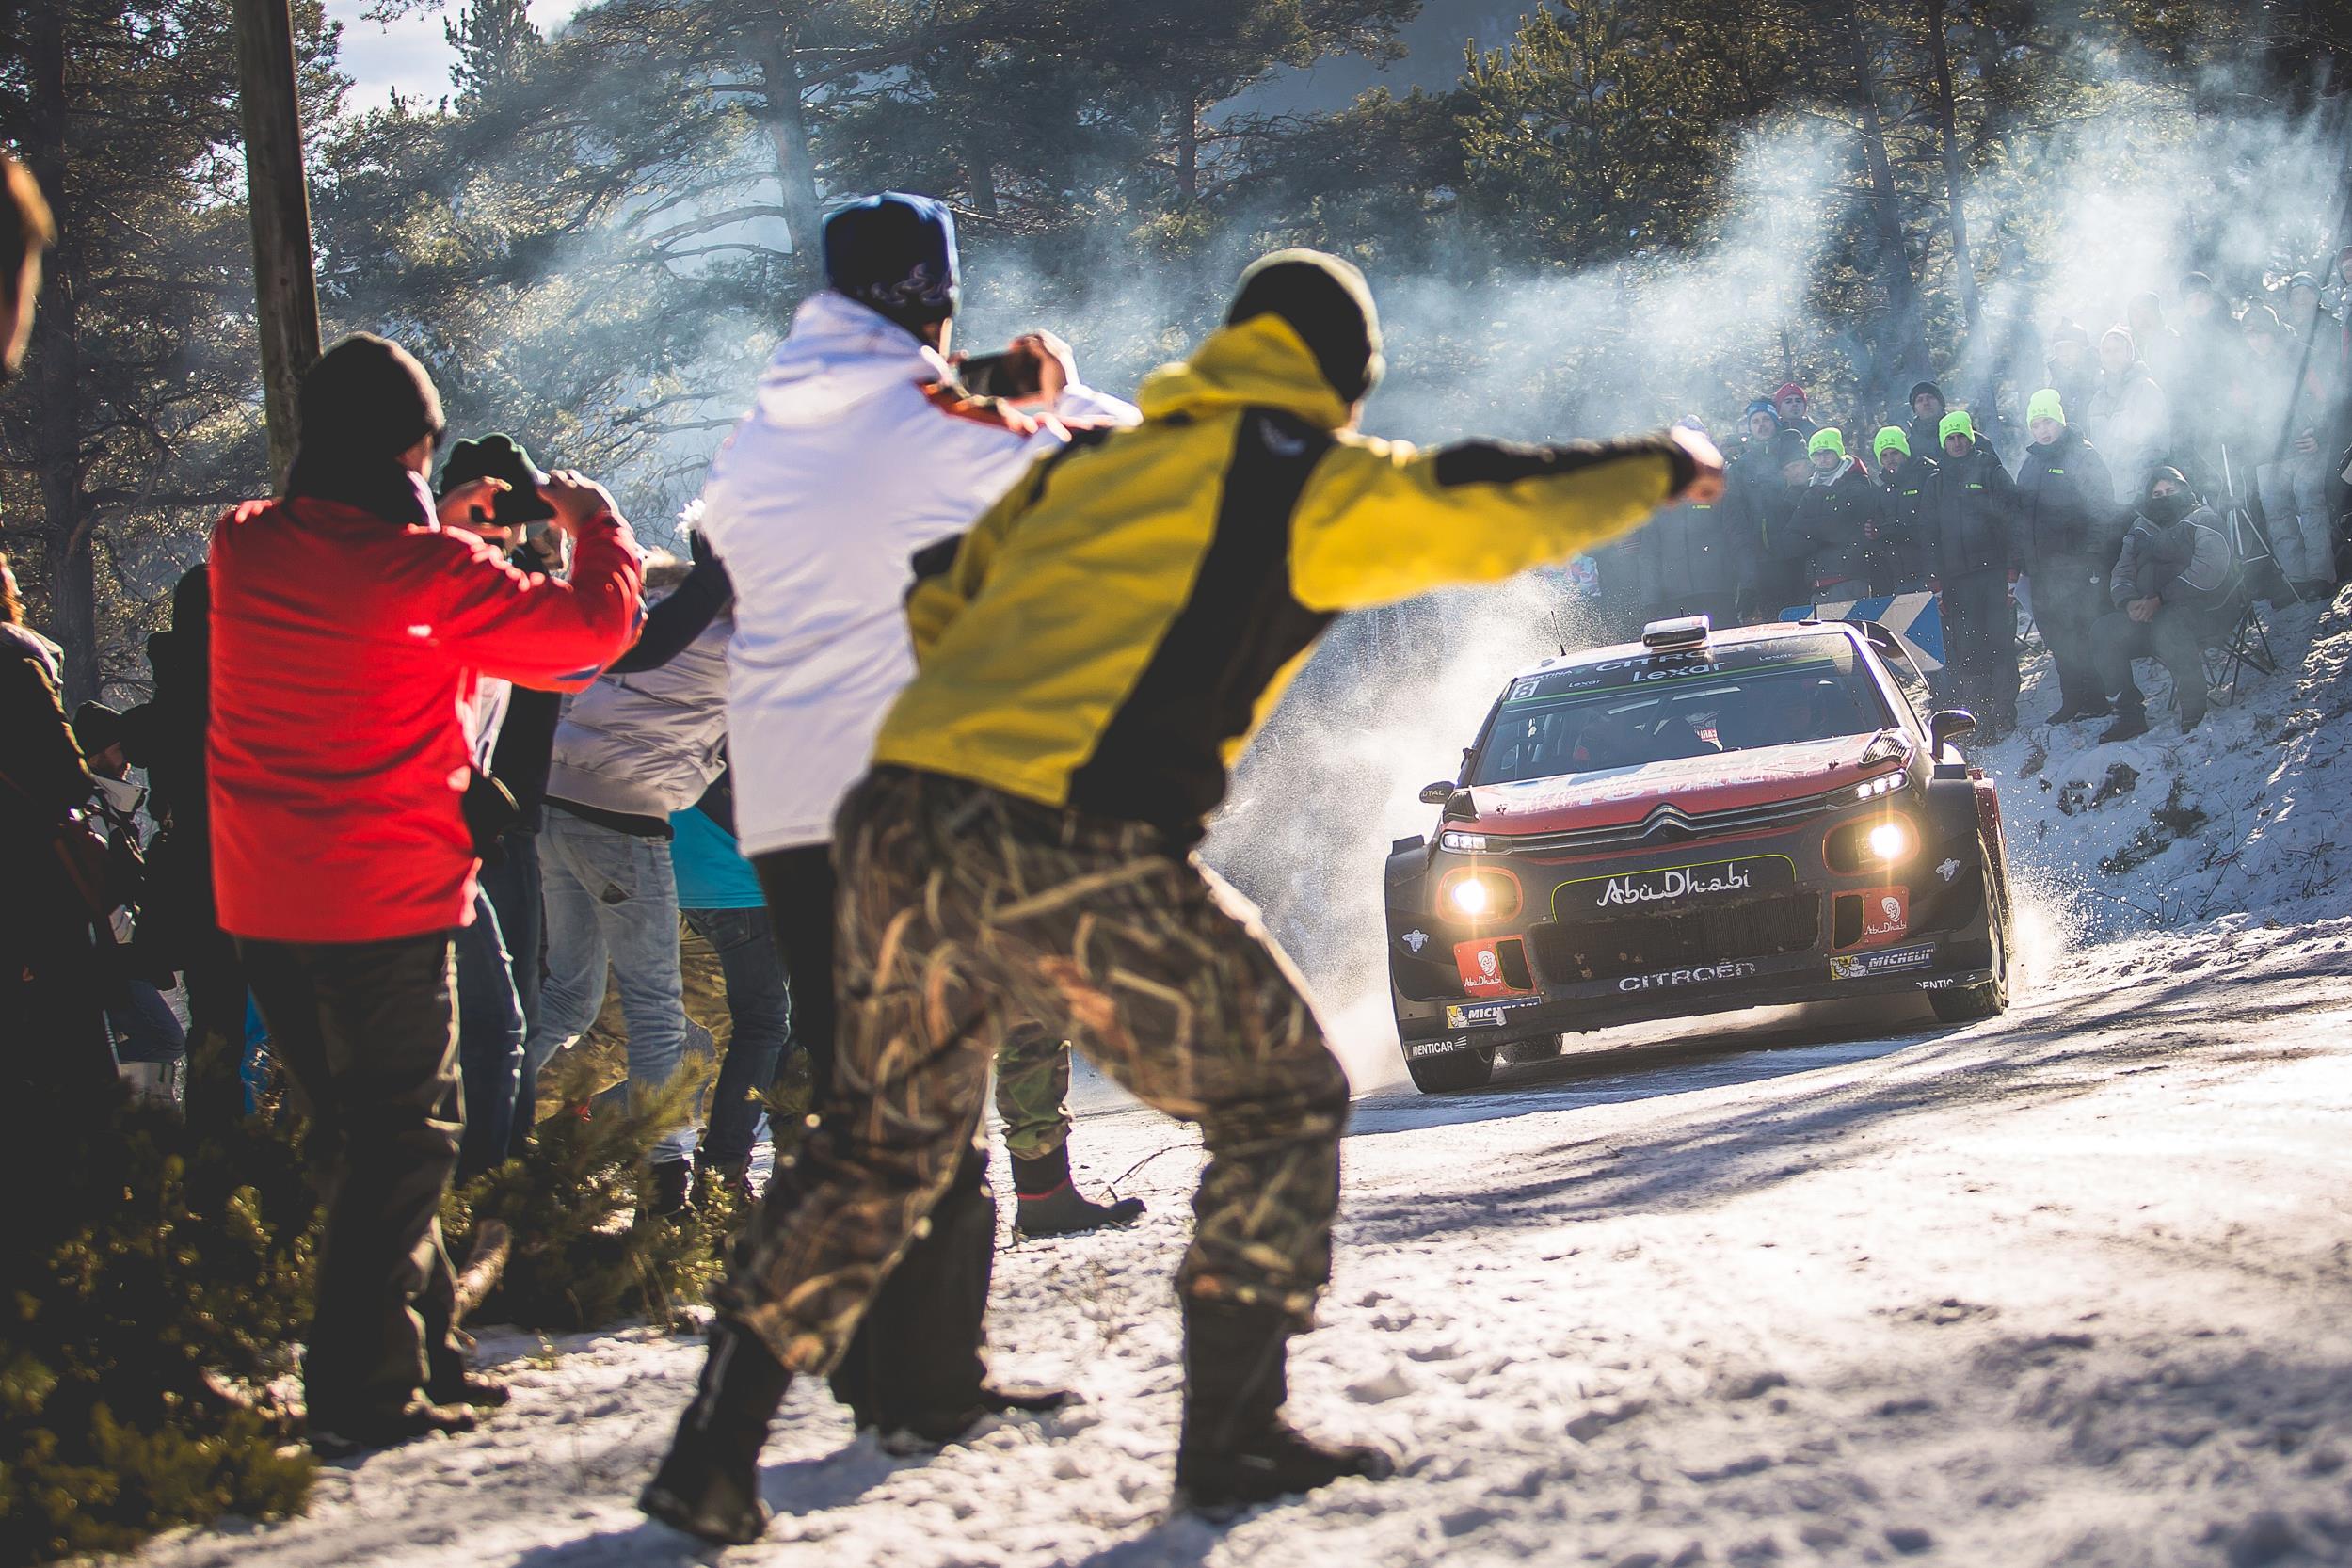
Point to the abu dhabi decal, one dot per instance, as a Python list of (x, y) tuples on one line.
[(1699, 976), (1861, 965), (1484, 1015), (1885, 914), (1713, 879), (1481, 967)]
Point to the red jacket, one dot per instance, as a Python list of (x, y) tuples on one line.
[(346, 652)]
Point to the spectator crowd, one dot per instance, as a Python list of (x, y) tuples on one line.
[(920, 739), (2164, 479)]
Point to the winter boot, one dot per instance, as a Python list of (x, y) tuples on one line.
[(709, 1482), (732, 1176), (2129, 724), (914, 1371), (450, 1382), (666, 1186), (343, 1433), (1237, 1450), (1051, 1205)]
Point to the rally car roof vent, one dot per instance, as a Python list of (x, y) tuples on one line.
[(1681, 632)]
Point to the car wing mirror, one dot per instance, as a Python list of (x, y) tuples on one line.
[(1439, 793), (1948, 724)]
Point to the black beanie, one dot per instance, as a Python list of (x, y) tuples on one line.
[(368, 397), (895, 254), (1929, 387), (499, 457), (1328, 304)]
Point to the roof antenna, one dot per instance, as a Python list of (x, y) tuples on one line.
[(1560, 633)]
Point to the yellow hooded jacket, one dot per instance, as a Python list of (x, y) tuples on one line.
[(1109, 634)]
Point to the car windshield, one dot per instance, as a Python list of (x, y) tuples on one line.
[(1657, 707)]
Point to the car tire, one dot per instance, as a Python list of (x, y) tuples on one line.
[(1978, 1002), (1452, 1075)]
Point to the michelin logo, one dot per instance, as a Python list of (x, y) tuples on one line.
[(1484, 1015), (1685, 977), (1861, 965)]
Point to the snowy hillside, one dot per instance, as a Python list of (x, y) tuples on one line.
[(2069, 1286), (2247, 813)]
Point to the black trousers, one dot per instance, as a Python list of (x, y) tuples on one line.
[(1980, 645), (2173, 635), (918, 1348), (367, 1031), (2070, 597)]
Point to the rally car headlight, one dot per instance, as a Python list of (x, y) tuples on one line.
[(1479, 893), (1871, 845), (1471, 841), (1885, 784)]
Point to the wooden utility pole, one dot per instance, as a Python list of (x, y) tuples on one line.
[(285, 287)]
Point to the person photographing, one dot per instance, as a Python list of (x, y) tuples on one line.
[(352, 623)]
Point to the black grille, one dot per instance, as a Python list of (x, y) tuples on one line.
[(1610, 949), (1667, 823)]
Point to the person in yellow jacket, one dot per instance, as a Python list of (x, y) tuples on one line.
[(1095, 654)]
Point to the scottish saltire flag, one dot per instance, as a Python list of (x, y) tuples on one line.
[(1916, 619)]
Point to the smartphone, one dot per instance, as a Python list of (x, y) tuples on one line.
[(1009, 374)]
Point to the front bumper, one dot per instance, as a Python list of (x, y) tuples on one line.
[(1442, 1029)]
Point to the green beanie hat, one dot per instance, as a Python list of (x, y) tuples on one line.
[(1891, 436), (2045, 405), (1957, 423), (1826, 440)]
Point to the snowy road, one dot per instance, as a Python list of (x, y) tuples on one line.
[(2073, 1286)]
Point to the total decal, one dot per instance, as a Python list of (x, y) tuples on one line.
[(1481, 968), (1699, 976), (1862, 966), (1713, 879), (1484, 1015)]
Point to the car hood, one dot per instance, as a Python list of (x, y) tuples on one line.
[(1728, 782)]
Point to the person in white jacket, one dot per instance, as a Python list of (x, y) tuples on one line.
[(860, 452)]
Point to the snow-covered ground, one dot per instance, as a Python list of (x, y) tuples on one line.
[(2073, 1286)]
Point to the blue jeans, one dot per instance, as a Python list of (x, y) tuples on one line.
[(489, 1040), (512, 883), (610, 897), (760, 1003), (145, 1028)]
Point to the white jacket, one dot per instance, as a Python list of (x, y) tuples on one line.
[(846, 466)]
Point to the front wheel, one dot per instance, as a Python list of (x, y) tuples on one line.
[(1978, 1002), (1452, 1075)]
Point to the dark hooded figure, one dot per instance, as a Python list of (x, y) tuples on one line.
[(2176, 589)]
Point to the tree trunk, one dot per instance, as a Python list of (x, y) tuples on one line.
[(1947, 116), (1188, 151), (788, 131), (1905, 332), (982, 175), (286, 282), (72, 618)]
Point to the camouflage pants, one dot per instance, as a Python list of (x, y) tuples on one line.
[(966, 912), (1034, 1091)]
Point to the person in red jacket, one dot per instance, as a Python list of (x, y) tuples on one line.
[(350, 624)]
